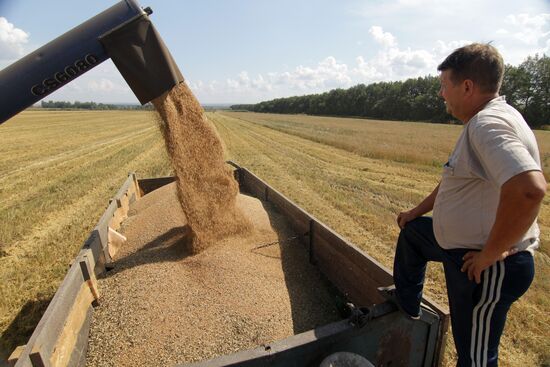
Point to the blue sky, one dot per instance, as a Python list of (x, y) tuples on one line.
[(244, 51)]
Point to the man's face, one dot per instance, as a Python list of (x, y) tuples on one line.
[(451, 93)]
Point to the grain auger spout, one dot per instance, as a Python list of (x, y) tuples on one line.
[(123, 33)]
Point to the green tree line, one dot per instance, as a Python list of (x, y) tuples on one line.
[(526, 87), (92, 106)]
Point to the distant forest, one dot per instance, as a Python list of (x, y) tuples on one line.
[(526, 87), (93, 106)]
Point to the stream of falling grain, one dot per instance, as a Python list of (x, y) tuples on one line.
[(207, 190)]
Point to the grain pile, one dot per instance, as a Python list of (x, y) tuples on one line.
[(161, 306), (206, 187), (205, 271)]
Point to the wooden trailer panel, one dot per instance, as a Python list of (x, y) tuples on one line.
[(351, 270), (61, 337), (386, 340), (62, 333)]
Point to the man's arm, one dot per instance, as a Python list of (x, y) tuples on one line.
[(425, 206), (519, 204)]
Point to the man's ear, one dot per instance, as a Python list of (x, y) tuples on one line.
[(468, 87)]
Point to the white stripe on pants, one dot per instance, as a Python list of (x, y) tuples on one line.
[(492, 285)]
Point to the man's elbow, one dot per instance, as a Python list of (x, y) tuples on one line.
[(530, 186), (538, 191), (535, 190)]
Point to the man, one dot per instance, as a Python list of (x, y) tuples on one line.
[(485, 207)]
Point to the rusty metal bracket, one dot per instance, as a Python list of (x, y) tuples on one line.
[(360, 316), (92, 284)]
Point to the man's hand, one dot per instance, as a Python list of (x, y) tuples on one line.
[(425, 206), (519, 204), (477, 261), (405, 217)]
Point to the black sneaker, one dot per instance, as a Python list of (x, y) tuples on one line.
[(389, 295)]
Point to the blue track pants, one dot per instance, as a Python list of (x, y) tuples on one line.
[(478, 311)]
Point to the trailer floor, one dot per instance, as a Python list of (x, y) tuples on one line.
[(160, 306)]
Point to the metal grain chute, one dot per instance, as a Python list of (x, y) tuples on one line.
[(123, 33)]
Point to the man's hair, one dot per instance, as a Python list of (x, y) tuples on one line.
[(481, 63)]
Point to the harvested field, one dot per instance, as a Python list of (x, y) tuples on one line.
[(162, 306), (57, 171), (63, 167), (421, 144)]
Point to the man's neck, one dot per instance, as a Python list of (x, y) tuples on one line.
[(478, 105)]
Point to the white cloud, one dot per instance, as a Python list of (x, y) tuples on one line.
[(11, 40), (442, 49), (394, 63), (525, 20), (104, 85), (327, 74), (390, 63), (261, 84), (531, 30), (367, 70), (101, 84), (384, 38), (387, 58), (522, 26)]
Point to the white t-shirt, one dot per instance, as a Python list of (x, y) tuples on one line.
[(495, 145)]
